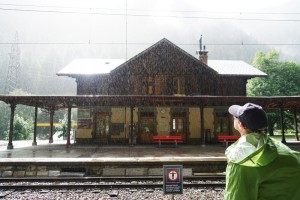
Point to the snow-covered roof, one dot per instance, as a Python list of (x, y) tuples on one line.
[(234, 67), (90, 67)]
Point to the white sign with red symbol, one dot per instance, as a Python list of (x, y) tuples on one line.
[(173, 179), (173, 175)]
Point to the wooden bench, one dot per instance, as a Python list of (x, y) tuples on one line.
[(167, 139), (228, 138)]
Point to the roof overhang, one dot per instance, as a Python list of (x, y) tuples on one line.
[(90, 67), (235, 68), (59, 102)]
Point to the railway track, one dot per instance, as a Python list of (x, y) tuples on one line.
[(106, 182)]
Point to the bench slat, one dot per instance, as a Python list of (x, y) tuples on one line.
[(228, 138), (167, 139), (178, 137)]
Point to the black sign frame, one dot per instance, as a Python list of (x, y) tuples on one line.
[(173, 179)]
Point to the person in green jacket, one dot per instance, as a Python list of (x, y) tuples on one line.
[(259, 167)]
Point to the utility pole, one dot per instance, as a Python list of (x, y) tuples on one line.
[(12, 78)]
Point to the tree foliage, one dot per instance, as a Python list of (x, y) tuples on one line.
[(25, 112), (23, 129), (5, 116), (62, 127), (283, 76), (283, 80)]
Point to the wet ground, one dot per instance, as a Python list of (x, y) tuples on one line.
[(24, 149), (58, 149)]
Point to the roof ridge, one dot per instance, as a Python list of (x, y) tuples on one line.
[(164, 40)]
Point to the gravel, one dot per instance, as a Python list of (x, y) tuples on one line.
[(129, 193)]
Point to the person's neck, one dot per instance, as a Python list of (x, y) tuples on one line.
[(243, 132)]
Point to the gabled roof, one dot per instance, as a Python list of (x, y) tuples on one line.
[(161, 42), (106, 66), (90, 67), (234, 68)]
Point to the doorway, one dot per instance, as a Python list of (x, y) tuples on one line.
[(102, 127)]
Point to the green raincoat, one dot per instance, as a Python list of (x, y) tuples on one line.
[(260, 167)]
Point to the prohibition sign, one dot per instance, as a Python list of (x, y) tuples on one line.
[(173, 175), (173, 179)]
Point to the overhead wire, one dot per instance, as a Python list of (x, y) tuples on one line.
[(152, 10), (144, 43), (90, 11)]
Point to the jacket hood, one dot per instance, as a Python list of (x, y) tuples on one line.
[(251, 150)]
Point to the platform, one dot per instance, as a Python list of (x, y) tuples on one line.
[(56, 159), (23, 150)]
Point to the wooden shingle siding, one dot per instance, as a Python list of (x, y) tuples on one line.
[(156, 68), (164, 69)]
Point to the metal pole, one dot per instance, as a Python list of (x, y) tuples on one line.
[(51, 125), (11, 125), (296, 125), (69, 126), (282, 125), (131, 125), (202, 125), (34, 143)]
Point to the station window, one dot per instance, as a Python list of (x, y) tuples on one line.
[(102, 124), (148, 85), (179, 123), (103, 87), (222, 124), (84, 118), (147, 122), (178, 85)]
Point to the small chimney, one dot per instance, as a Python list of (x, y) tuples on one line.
[(202, 53)]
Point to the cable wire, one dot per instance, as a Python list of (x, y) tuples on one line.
[(141, 43), (153, 10), (150, 15)]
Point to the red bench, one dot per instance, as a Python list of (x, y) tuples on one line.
[(167, 139), (228, 138)]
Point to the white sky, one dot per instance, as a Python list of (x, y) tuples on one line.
[(198, 5), (213, 5), (178, 25), (70, 29)]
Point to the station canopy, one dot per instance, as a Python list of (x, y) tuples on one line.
[(59, 102)]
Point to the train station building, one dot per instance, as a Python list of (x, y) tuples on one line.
[(162, 69), (161, 91)]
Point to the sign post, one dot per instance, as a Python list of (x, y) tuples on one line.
[(173, 179)]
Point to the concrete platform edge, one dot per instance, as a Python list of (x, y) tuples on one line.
[(113, 160)]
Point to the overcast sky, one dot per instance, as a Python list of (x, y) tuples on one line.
[(111, 24)]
